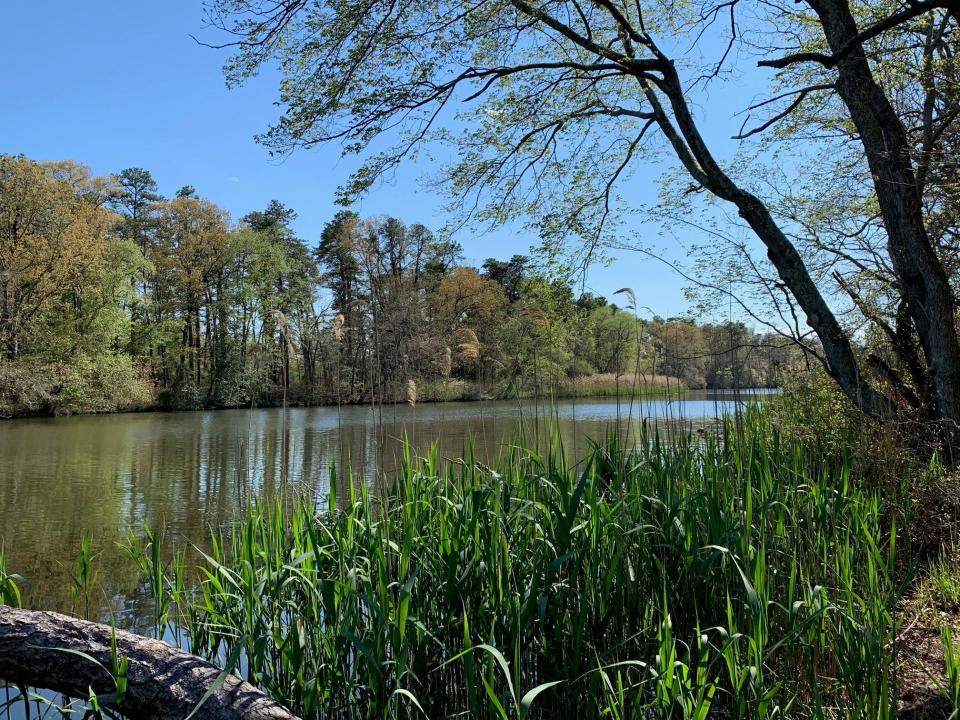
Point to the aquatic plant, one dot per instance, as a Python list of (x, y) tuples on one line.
[(742, 575)]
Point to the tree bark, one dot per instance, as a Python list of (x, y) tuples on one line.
[(923, 280), (163, 682), (700, 163)]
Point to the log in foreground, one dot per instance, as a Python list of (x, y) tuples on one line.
[(163, 682)]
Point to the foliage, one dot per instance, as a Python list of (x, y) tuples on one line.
[(951, 659), (53, 232), (108, 383), (843, 180), (939, 587), (11, 592), (103, 384), (170, 303), (810, 406)]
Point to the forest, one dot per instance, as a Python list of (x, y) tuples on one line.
[(646, 554), (117, 298)]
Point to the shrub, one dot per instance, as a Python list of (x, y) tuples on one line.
[(24, 390), (811, 407), (107, 383), (184, 394)]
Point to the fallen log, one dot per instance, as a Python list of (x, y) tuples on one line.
[(163, 682)]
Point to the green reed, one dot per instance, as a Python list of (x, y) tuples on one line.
[(10, 584), (84, 578), (951, 662), (733, 575), (741, 575)]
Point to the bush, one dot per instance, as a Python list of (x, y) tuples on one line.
[(24, 390), (108, 383), (184, 394), (812, 408), (104, 384)]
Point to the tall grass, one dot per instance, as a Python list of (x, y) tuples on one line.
[(738, 576)]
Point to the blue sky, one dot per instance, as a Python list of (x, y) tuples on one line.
[(116, 84)]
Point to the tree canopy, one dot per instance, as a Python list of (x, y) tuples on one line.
[(553, 104), (116, 297)]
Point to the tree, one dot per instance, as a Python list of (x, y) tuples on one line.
[(680, 351), (567, 94), (466, 309), (613, 336), (134, 198), (223, 315), (590, 302), (463, 297), (53, 235), (510, 274), (195, 242), (287, 288), (336, 256), (442, 257)]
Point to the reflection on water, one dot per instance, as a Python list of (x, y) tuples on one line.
[(185, 472)]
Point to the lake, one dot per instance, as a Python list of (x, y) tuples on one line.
[(105, 476)]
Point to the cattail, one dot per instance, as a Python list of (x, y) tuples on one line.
[(411, 393)]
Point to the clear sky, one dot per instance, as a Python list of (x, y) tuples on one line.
[(116, 84)]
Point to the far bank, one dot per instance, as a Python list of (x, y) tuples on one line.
[(57, 390)]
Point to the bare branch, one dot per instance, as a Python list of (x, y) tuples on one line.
[(801, 95)]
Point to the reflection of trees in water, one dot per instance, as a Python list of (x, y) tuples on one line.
[(183, 474)]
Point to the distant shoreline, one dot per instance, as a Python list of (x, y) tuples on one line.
[(640, 393)]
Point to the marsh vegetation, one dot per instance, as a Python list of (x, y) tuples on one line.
[(743, 574)]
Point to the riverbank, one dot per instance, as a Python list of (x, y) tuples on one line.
[(61, 390)]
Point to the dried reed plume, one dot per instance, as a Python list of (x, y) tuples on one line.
[(535, 313), (338, 326), (630, 294), (446, 362), (611, 381), (468, 347)]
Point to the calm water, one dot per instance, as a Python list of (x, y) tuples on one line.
[(106, 475)]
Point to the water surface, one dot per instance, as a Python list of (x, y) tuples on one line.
[(105, 476)]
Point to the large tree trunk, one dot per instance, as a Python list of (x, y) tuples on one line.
[(923, 280), (163, 683), (693, 152)]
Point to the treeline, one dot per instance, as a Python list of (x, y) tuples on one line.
[(115, 297)]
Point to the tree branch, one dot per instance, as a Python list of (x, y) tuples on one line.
[(915, 9)]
